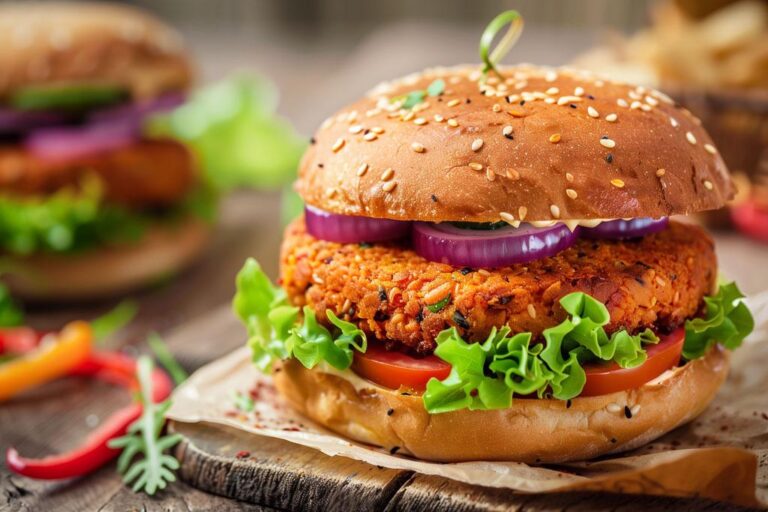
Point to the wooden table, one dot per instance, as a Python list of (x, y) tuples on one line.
[(55, 417)]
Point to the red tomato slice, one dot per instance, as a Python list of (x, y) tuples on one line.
[(603, 379), (19, 340), (751, 220), (393, 369)]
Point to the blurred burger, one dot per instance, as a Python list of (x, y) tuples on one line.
[(90, 205), (486, 270)]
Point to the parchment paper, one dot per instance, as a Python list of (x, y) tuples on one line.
[(722, 455)]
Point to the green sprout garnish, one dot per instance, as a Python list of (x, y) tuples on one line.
[(491, 58), (413, 98)]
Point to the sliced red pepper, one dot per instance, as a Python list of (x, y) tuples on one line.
[(113, 368)]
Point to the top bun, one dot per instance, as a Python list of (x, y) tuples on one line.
[(118, 45), (539, 144)]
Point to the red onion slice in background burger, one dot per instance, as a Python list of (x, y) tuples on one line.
[(66, 143)]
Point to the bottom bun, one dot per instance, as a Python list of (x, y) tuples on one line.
[(162, 250), (530, 431)]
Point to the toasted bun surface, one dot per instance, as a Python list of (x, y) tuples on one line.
[(162, 251), (531, 431), (119, 45), (542, 144)]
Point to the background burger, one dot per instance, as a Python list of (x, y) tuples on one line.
[(486, 269), (89, 204)]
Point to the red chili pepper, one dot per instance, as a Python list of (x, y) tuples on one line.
[(110, 367)]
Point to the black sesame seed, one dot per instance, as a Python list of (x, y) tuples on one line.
[(321, 165), (434, 198), (613, 440), (522, 102), (469, 101), (405, 393), (568, 404), (573, 105), (466, 270), (394, 450), (390, 412), (509, 136), (507, 98), (382, 294), (609, 158), (640, 280), (312, 140), (604, 137), (590, 96), (460, 319), (627, 412)]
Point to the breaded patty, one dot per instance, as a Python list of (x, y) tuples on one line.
[(387, 289), (145, 173)]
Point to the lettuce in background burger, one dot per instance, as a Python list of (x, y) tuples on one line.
[(89, 204), (486, 269)]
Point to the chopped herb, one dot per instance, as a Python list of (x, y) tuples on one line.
[(244, 402), (438, 306), (413, 98), (436, 88)]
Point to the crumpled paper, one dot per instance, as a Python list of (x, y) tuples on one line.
[(721, 455)]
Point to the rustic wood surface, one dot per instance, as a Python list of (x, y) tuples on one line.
[(193, 315)]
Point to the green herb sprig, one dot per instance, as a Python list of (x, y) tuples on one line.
[(165, 357), (154, 470), (413, 98), (491, 58), (114, 320)]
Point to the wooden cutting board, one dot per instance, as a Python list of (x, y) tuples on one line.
[(281, 475)]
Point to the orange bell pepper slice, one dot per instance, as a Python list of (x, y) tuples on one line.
[(55, 357)]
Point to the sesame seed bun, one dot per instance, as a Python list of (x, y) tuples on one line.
[(43, 43), (531, 431), (539, 145), (163, 250)]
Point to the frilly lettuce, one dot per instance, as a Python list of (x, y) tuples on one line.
[(483, 375), (276, 332), (727, 321)]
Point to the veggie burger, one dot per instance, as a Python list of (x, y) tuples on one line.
[(89, 203), (486, 269)]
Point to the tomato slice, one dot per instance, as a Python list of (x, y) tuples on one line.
[(393, 369), (606, 378), (751, 220), (19, 340)]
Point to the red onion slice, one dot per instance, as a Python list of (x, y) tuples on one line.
[(19, 121), (66, 143), (501, 247), (348, 229), (136, 112), (620, 229)]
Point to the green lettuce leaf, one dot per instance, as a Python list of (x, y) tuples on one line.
[(276, 332), (727, 321)]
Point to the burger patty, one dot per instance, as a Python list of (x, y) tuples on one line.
[(147, 173), (387, 289)]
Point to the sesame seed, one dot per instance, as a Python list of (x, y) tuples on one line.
[(660, 172), (593, 112), (617, 183), (608, 143), (453, 102), (419, 148), (660, 281), (613, 407), (635, 105), (453, 122), (516, 113), (645, 108), (513, 174), (389, 186), (564, 100), (388, 174), (710, 149), (708, 185), (475, 166), (554, 138), (571, 193), (531, 311), (410, 115), (579, 91), (569, 177), (338, 145), (438, 118), (634, 95), (355, 129), (378, 130), (507, 217), (674, 122), (551, 76), (611, 118), (370, 136), (622, 102), (555, 211), (651, 100), (507, 132), (553, 91), (635, 409), (496, 107), (690, 137), (477, 144), (362, 169), (419, 121), (522, 212), (549, 101), (489, 174)]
